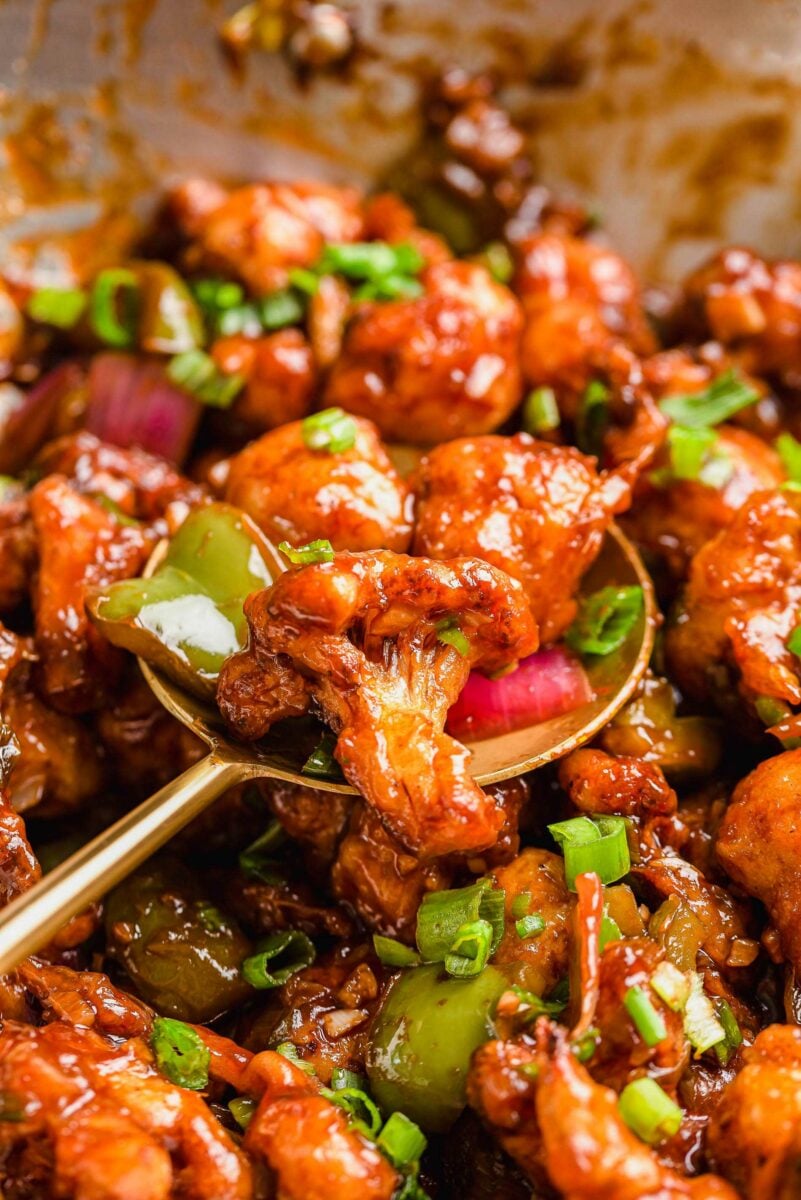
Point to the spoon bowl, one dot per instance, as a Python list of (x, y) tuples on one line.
[(31, 920)]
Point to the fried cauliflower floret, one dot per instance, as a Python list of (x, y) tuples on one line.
[(739, 606), (118, 1130), (358, 637), (537, 511), (674, 518), (754, 1136), (260, 232), (577, 299), (539, 963), (17, 551), (353, 498), (759, 843), (751, 305), (280, 377), (597, 782), (437, 367)]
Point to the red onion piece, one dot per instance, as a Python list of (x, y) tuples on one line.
[(548, 684), (133, 403), (27, 416)]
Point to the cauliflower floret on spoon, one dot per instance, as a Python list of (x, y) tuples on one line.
[(381, 644)]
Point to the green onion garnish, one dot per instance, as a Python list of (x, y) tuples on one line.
[(113, 305), (605, 619), (319, 551), (370, 260), (532, 1005), (650, 1025), (389, 287), (216, 295), (196, 372), (586, 1044), (671, 985), (598, 846), (393, 953), (180, 1052), (649, 1111), (341, 1078), (540, 411), (470, 950), (688, 450), (331, 430), (701, 1024), (360, 1107), (258, 859), (498, 261), (290, 1051), (280, 309), (609, 932), (401, 1140), (277, 958), (242, 1109), (734, 1036), (304, 280), (530, 926), (321, 761), (450, 634), (242, 319), (521, 904), (61, 307), (442, 914), (593, 417), (724, 397), (789, 451)]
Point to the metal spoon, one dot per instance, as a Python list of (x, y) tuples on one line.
[(32, 920)]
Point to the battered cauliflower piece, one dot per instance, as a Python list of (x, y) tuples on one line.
[(537, 511), (739, 606), (260, 232), (437, 367), (751, 305), (759, 843), (118, 1129), (578, 298), (280, 377), (353, 498), (358, 638)]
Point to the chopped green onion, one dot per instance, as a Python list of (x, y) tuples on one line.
[(593, 417), (321, 761), (724, 397), (598, 846), (585, 1046), (529, 1070), (113, 303), (341, 1078), (242, 1109), (331, 430), (701, 1024), (277, 958), (61, 307), (794, 641), (442, 914), (605, 619), (362, 1110), (319, 551), (401, 1140), (370, 260), (789, 451), (650, 1025), (671, 985), (532, 1005), (540, 411), (180, 1052), (530, 926), (521, 904), (304, 280), (258, 859), (289, 1051), (734, 1036), (649, 1111), (769, 710), (689, 449), (393, 953), (196, 372), (498, 261), (610, 931), (216, 295), (280, 309), (449, 633), (470, 950), (242, 319), (389, 287), (212, 920), (118, 513)]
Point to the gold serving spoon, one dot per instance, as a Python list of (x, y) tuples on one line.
[(32, 920)]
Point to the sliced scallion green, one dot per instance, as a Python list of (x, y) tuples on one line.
[(60, 307), (470, 950), (450, 634), (648, 1021), (393, 953), (277, 958), (605, 619), (540, 411), (332, 431), (442, 914), (649, 1111), (598, 846), (530, 926), (319, 551), (180, 1052), (724, 397)]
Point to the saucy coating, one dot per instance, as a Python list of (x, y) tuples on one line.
[(118, 1130), (597, 782), (537, 511), (577, 298), (739, 607), (358, 635), (258, 233), (750, 304), (537, 964), (759, 843), (17, 551), (307, 1140), (441, 366), (280, 377), (353, 498)]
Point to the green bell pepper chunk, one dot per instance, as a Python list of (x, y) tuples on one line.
[(187, 617), (169, 319), (422, 1040)]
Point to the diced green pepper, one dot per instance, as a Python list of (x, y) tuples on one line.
[(169, 318), (187, 618)]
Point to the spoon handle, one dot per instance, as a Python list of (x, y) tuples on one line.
[(33, 919)]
